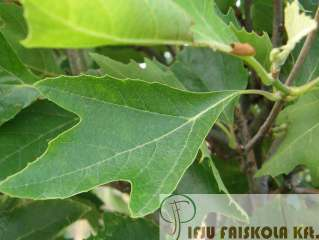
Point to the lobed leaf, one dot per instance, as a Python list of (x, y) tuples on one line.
[(147, 134)]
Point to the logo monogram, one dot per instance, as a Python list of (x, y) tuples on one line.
[(176, 210)]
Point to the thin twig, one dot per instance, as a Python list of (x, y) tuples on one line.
[(76, 60), (293, 74), (301, 190), (248, 20), (265, 126), (249, 157), (278, 23)]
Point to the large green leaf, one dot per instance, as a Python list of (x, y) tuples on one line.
[(209, 29), (199, 174), (299, 146), (29, 220), (144, 133), (151, 73), (119, 227), (14, 76), (26, 137), (15, 30), (86, 23)]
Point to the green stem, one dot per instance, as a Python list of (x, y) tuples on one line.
[(298, 91), (266, 77), (270, 96), (232, 142), (282, 87)]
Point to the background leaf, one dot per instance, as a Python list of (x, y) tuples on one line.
[(299, 146), (15, 29), (26, 137), (198, 179), (203, 70), (310, 69), (262, 15), (224, 5), (14, 77), (118, 227), (11, 64), (40, 219), (152, 71)]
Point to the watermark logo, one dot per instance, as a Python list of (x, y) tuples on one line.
[(177, 210), (239, 217)]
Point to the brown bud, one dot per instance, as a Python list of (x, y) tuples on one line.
[(243, 49)]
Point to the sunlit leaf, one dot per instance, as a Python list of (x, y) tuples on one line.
[(69, 24)]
